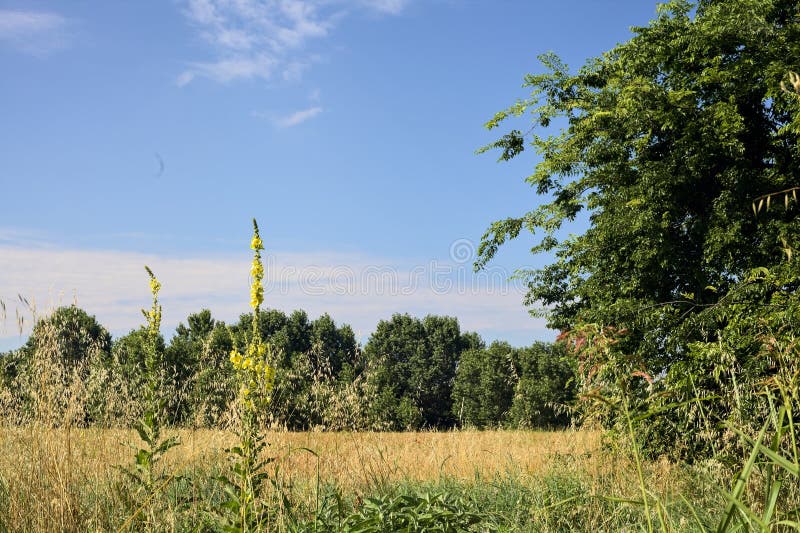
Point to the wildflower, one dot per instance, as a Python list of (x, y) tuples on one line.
[(256, 295), (253, 370), (257, 270)]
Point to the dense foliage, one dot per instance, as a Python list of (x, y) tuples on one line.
[(415, 362), (670, 144), (513, 387), (412, 374)]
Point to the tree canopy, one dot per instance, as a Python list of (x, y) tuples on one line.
[(415, 365), (403, 378), (667, 140)]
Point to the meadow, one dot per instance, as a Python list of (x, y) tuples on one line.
[(69, 480), (83, 448)]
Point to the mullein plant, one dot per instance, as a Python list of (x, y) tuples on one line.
[(144, 474), (244, 510)]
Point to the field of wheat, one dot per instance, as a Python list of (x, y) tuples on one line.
[(70, 480), (350, 460)]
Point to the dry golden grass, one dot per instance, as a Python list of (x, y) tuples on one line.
[(60, 480), (347, 459), (46, 470), (361, 459)]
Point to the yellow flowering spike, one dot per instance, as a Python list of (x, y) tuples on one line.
[(155, 285), (256, 295), (257, 270), (254, 374), (256, 243), (153, 316)]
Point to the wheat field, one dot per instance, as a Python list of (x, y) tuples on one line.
[(65, 479), (51, 457)]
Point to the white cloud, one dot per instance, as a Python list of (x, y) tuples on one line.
[(298, 117), (227, 70), (393, 7), (34, 32), (353, 289), (22, 23), (266, 32)]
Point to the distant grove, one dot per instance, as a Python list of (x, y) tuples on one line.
[(412, 374)]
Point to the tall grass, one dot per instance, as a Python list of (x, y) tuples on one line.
[(518, 476)]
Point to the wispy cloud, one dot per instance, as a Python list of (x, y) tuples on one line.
[(33, 32), (393, 7), (223, 71), (266, 38), (355, 289), (298, 117)]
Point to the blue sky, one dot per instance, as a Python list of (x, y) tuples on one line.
[(153, 131)]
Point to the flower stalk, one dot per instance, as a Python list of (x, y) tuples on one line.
[(245, 510)]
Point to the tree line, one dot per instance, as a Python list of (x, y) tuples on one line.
[(412, 373)]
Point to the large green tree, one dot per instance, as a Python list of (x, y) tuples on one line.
[(46, 379), (484, 386), (413, 364), (544, 387), (332, 348), (68, 334), (667, 140)]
